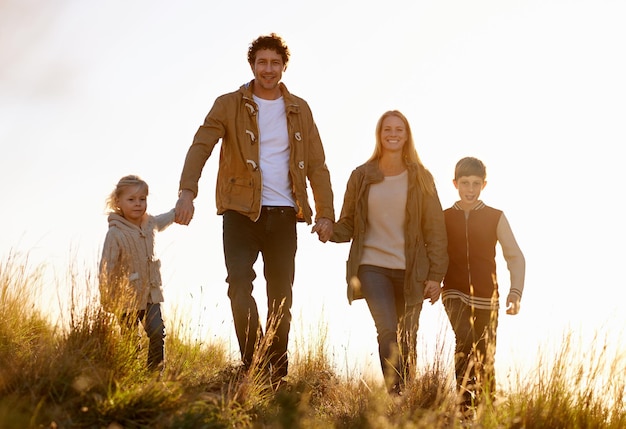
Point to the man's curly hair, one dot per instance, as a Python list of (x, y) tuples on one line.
[(272, 42)]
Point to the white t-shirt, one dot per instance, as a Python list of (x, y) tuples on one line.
[(274, 153)]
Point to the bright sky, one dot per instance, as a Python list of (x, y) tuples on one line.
[(91, 91)]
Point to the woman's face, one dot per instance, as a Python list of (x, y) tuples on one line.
[(393, 134)]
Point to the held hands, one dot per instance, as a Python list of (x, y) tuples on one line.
[(512, 304), (184, 207), (324, 228), (432, 291)]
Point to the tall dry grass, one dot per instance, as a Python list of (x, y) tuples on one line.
[(87, 374)]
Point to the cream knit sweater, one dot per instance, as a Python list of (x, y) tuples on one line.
[(130, 275)]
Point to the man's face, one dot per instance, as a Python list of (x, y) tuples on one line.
[(268, 70)]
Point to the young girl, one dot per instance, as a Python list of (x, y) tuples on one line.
[(130, 278)]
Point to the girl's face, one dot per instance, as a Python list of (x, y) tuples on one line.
[(133, 202), (393, 134)]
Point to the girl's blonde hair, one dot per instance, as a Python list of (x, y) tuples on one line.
[(124, 183), (425, 179)]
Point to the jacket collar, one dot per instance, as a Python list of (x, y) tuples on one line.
[(121, 222), (478, 206), (374, 175), (291, 103)]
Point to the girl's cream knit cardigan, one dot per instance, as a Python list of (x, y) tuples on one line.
[(130, 275)]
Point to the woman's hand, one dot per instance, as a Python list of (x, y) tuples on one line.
[(432, 291)]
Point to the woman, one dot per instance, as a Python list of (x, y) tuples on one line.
[(392, 214)]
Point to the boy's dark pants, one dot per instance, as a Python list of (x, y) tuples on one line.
[(152, 321), (274, 236), (475, 332)]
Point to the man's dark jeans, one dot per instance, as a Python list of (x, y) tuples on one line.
[(274, 236), (396, 323)]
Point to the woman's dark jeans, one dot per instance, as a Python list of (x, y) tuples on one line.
[(396, 323), (274, 236)]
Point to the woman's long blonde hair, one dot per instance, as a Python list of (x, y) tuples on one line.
[(425, 179)]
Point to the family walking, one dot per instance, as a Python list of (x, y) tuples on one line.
[(404, 246)]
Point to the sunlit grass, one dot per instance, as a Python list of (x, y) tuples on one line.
[(86, 374), (581, 386)]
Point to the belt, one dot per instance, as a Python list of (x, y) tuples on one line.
[(276, 208)]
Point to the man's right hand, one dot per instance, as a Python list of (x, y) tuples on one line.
[(184, 207)]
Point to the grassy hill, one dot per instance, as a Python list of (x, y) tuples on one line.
[(89, 375)]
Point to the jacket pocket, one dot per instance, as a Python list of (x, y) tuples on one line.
[(238, 193)]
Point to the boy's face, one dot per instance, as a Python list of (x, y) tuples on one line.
[(469, 188)]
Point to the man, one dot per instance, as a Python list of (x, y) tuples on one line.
[(270, 147)]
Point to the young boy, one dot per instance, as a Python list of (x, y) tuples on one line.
[(470, 292)]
